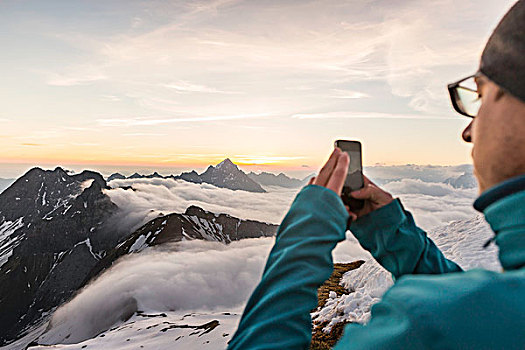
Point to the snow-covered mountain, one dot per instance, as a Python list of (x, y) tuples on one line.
[(51, 234), (224, 175), (58, 231), (166, 330)]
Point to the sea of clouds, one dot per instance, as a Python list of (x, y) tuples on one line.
[(200, 276), (422, 190)]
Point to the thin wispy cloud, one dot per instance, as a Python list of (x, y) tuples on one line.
[(143, 134), (73, 80), (367, 115), (145, 121), (111, 98), (77, 128), (41, 134), (85, 144), (185, 87), (336, 93)]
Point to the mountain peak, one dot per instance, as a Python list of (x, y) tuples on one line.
[(226, 164)]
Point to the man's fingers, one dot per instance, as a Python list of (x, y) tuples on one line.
[(326, 170), (311, 181), (367, 192), (337, 179), (374, 194)]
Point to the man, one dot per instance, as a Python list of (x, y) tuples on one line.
[(433, 303)]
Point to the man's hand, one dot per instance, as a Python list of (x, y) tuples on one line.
[(333, 173), (373, 196)]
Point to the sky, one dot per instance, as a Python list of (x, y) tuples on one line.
[(179, 85)]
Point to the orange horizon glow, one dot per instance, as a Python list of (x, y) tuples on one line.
[(196, 163), (241, 161)]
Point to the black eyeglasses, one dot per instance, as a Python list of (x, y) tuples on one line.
[(465, 97)]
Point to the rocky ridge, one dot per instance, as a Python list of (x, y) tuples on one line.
[(51, 234), (226, 175)]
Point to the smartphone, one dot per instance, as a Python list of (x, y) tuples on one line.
[(354, 178)]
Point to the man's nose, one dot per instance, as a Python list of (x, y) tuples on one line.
[(467, 136)]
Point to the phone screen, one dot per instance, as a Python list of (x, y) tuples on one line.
[(354, 178)]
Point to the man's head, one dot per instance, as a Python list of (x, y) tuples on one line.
[(497, 132)]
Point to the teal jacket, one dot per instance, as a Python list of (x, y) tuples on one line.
[(433, 303)]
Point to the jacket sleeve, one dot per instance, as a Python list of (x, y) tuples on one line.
[(392, 237), (277, 315)]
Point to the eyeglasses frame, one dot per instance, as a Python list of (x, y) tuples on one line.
[(454, 97)]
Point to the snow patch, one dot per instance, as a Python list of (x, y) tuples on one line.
[(87, 242), (8, 242)]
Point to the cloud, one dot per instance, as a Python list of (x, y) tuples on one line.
[(77, 128), (418, 187), (143, 134), (433, 204), (366, 115), (151, 121), (191, 275), (85, 144), (423, 191), (421, 188), (151, 197), (73, 80), (348, 94), (184, 87), (426, 173), (112, 98)]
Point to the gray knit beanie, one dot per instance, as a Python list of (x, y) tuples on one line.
[(503, 59)]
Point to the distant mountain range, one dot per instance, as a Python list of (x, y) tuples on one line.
[(269, 179), (57, 232), (226, 175)]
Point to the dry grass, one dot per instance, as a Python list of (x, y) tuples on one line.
[(321, 340)]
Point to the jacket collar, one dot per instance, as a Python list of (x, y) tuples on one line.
[(499, 191), (504, 209)]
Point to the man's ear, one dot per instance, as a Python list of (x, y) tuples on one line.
[(499, 93)]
